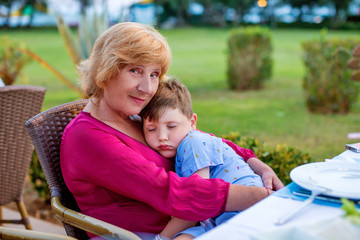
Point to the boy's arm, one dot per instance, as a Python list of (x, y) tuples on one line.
[(176, 225)]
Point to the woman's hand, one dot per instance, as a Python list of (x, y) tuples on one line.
[(268, 176)]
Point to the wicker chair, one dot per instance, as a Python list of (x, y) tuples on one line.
[(17, 104), (45, 130)]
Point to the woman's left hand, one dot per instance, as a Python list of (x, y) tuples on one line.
[(268, 176)]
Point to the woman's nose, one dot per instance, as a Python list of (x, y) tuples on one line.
[(145, 85)]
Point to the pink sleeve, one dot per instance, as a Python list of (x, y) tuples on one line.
[(109, 162)]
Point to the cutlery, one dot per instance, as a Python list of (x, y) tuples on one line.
[(289, 215), (305, 193)]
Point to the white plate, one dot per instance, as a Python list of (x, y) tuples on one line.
[(342, 179)]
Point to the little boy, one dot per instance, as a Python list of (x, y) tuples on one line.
[(169, 126)]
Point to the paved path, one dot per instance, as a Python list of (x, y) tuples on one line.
[(37, 224)]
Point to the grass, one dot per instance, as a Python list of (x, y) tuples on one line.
[(276, 114)]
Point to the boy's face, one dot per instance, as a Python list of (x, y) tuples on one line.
[(165, 135)]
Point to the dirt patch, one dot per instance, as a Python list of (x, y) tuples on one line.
[(35, 206)]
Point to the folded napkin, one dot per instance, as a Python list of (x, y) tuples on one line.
[(290, 189)]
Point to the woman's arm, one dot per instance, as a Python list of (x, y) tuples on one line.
[(241, 197), (177, 225), (104, 158)]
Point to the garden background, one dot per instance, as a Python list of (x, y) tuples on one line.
[(275, 114)]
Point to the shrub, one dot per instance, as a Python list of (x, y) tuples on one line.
[(327, 82), (281, 158), (249, 58), (37, 178), (354, 63), (12, 60)]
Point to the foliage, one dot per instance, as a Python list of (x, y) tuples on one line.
[(281, 158), (25, 7), (89, 29), (327, 83), (249, 57), (351, 212), (53, 70), (12, 60), (276, 114), (354, 63), (37, 178)]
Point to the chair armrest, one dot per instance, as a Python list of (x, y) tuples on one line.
[(90, 224), (7, 233)]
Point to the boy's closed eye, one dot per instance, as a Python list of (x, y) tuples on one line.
[(172, 125), (150, 129)]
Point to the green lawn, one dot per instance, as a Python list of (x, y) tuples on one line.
[(276, 114)]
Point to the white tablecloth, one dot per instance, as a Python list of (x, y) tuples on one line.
[(260, 218)]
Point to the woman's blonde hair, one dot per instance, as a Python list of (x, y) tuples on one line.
[(122, 44)]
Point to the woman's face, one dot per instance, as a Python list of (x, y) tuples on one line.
[(132, 88)]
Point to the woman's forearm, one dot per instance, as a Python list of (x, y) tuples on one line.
[(241, 197)]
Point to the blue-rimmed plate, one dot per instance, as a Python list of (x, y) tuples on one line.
[(340, 179)]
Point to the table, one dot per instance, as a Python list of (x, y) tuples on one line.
[(262, 216)]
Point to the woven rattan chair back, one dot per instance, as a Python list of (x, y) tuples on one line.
[(45, 130), (17, 105)]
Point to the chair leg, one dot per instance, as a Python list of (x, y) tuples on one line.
[(0, 214), (24, 215)]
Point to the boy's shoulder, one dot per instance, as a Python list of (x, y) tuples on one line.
[(196, 136)]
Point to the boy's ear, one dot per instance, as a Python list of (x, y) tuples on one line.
[(193, 120)]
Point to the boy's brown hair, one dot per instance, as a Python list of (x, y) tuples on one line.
[(170, 94)]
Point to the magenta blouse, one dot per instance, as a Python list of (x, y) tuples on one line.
[(124, 182)]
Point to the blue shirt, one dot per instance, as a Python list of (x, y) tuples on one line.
[(199, 150)]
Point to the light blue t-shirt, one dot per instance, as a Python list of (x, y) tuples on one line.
[(199, 150)]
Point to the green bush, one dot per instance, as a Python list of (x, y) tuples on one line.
[(37, 178), (249, 58), (327, 83), (281, 158)]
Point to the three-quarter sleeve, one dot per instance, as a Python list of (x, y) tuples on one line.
[(133, 170)]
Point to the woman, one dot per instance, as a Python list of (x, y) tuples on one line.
[(112, 173)]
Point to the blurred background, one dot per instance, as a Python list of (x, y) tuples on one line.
[(169, 13), (300, 103)]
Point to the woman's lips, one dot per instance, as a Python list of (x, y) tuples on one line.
[(138, 100)]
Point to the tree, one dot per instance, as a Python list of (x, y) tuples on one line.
[(8, 5), (26, 7), (241, 8), (177, 8), (300, 4), (339, 6)]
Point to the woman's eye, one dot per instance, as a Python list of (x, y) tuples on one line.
[(154, 75), (151, 129), (135, 71)]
